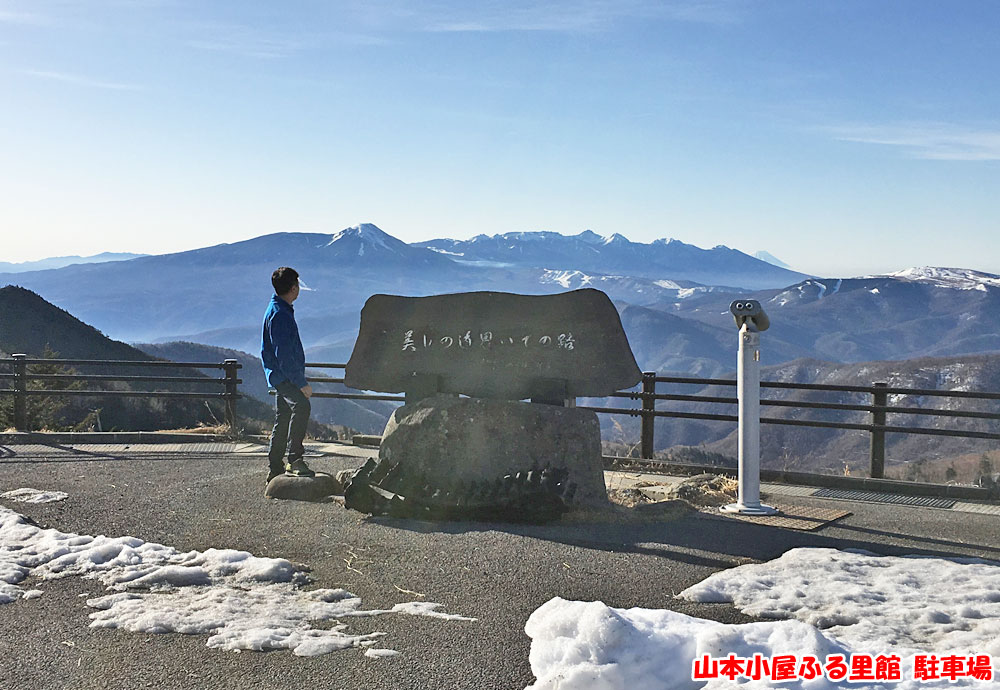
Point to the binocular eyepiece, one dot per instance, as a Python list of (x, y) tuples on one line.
[(749, 311)]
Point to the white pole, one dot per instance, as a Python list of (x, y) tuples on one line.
[(748, 395)]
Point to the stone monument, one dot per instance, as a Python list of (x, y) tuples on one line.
[(489, 426)]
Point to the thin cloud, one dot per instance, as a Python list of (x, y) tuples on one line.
[(929, 141), (79, 80), (247, 41), (22, 18), (258, 48), (566, 16)]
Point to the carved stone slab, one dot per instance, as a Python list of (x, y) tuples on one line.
[(493, 345)]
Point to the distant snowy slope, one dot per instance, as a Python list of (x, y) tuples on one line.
[(954, 278), (912, 313)]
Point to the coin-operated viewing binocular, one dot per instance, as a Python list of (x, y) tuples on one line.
[(749, 312)]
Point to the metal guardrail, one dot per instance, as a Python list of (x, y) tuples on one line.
[(647, 397), (21, 376), (878, 408)]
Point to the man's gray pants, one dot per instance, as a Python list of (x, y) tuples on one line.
[(290, 421)]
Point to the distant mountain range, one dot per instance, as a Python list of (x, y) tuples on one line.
[(921, 312), (590, 252), (673, 297), (60, 261)]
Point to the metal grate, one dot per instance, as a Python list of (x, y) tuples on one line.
[(875, 497)]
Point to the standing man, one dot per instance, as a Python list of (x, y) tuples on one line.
[(285, 368)]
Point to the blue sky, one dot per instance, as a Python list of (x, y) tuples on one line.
[(844, 137)]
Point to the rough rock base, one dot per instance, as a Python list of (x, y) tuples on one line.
[(450, 441)]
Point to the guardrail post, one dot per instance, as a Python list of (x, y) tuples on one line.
[(231, 368), (648, 419), (877, 453), (20, 395)]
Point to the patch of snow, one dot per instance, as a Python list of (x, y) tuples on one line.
[(782, 298), (827, 602), (669, 285), (445, 251), (380, 653), (426, 608), (567, 279), (27, 495), (874, 291), (241, 601), (579, 645)]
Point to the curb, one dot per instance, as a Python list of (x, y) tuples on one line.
[(70, 437)]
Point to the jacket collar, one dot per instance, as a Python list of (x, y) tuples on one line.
[(282, 304)]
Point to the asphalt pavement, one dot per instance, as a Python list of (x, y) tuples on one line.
[(198, 497)]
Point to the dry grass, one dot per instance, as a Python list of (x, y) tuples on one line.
[(217, 430), (705, 490)]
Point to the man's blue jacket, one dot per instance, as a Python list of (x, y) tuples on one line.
[(281, 348)]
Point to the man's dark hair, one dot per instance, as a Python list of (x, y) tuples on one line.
[(283, 279)]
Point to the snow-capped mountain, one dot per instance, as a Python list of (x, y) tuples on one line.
[(771, 259), (663, 259), (954, 278), (368, 242)]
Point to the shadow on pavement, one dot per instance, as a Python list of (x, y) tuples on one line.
[(716, 542)]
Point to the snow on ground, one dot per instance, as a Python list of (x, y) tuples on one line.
[(241, 601), (871, 602), (380, 653), (27, 495), (830, 602), (580, 645)]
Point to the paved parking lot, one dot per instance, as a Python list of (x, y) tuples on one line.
[(197, 498)]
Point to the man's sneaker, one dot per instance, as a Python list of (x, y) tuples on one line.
[(298, 468), (272, 474)]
